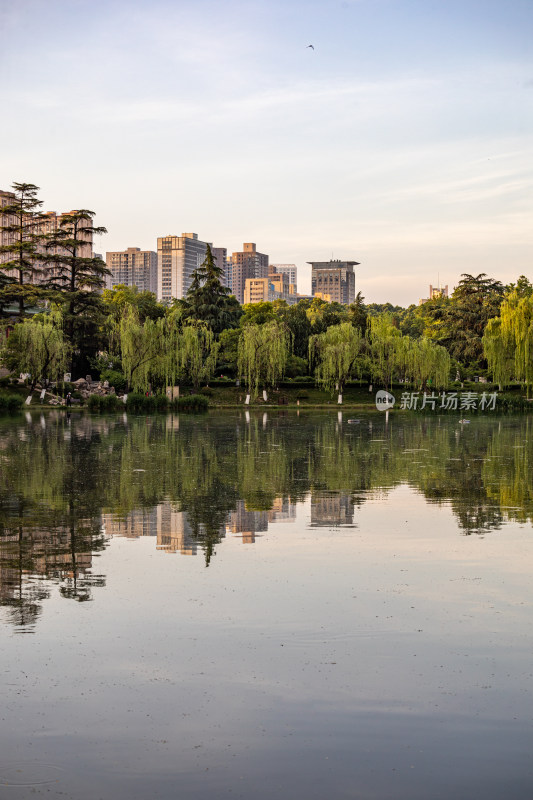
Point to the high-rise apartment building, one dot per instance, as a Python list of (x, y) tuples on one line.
[(6, 199), (247, 264), (133, 267), (288, 269), (45, 224), (220, 257), (177, 258), (333, 280)]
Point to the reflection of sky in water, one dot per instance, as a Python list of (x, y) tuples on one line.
[(349, 643)]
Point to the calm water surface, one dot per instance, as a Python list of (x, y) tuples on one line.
[(263, 606)]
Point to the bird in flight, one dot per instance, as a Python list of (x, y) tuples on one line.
[(311, 46)]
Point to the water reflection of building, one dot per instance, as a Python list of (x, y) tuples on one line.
[(139, 522), (283, 510), (331, 509), (246, 523), (29, 557), (173, 532)]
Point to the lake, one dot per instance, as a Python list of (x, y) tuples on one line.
[(252, 605)]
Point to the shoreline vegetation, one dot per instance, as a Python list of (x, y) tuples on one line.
[(293, 397)]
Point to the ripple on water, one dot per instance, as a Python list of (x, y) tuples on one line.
[(24, 773)]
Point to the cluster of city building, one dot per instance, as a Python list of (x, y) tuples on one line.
[(168, 271), (247, 273), (173, 531)]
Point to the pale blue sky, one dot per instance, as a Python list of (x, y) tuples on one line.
[(402, 141)]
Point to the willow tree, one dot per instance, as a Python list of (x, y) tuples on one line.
[(387, 351), (198, 352), (38, 346), (262, 354), (336, 353), (425, 362), (511, 341), (141, 348), (499, 352)]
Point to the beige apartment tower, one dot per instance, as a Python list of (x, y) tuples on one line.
[(247, 264), (177, 258), (133, 267)]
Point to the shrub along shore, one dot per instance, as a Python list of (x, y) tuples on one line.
[(289, 395)]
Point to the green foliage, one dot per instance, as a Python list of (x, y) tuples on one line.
[(337, 354), (195, 403), (10, 403), (296, 367), (322, 315), (141, 346), (75, 277), (117, 299), (209, 301), (228, 351), (104, 404), (115, 378), (263, 353), (508, 340), (198, 355), (394, 357), (459, 322), (38, 346), (138, 403), (21, 259)]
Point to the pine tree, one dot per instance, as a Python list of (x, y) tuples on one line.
[(21, 256), (75, 277), (208, 300)]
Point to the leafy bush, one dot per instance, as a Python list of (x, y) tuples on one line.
[(296, 367), (207, 391), (139, 403), (10, 403), (115, 378), (104, 403), (161, 403), (192, 402)]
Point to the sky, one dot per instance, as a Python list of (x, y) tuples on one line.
[(403, 140)]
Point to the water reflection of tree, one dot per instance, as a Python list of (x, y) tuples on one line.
[(58, 479), (49, 526)]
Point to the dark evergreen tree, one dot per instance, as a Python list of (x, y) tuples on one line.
[(21, 255), (460, 321), (209, 300), (75, 278)]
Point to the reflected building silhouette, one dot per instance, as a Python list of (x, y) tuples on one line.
[(171, 528), (139, 522), (31, 556), (283, 510), (245, 523), (174, 534), (329, 510)]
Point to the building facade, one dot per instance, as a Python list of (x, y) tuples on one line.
[(220, 257), (247, 264), (280, 282), (133, 267), (177, 258), (45, 224), (334, 280), (288, 269)]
